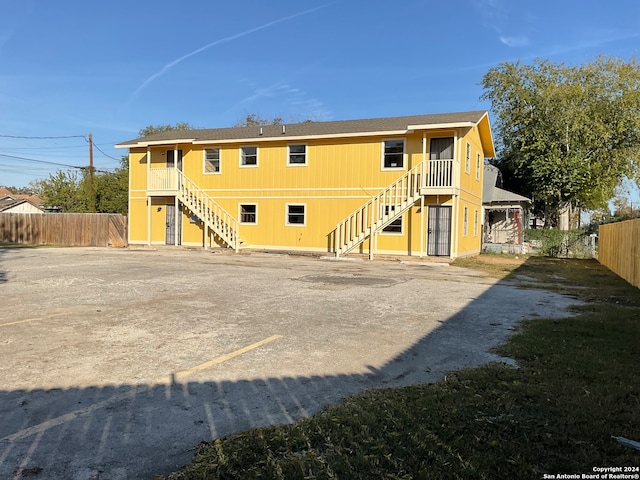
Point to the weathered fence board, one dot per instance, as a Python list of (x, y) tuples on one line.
[(74, 229), (619, 249)]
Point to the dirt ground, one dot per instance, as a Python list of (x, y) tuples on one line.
[(115, 363)]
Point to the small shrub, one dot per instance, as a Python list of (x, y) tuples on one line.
[(561, 243)]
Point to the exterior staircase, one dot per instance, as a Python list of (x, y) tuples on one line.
[(380, 211), (221, 222)]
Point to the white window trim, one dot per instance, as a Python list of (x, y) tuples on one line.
[(240, 156), (465, 222), (204, 161), (478, 166), (404, 154), (467, 160), (240, 214), (286, 215), (306, 155), (401, 232)]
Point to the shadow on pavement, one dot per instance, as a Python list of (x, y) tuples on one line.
[(137, 431)]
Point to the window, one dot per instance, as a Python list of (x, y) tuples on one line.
[(475, 223), (478, 163), (393, 154), (212, 160), (465, 224), (248, 213), (248, 156), (467, 161), (295, 214), (396, 225), (297, 155)]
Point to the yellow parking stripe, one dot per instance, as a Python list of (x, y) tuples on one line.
[(27, 320), (224, 358)]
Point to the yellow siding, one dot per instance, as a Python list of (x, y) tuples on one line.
[(339, 177)]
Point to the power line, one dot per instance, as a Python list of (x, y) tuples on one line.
[(43, 138), (106, 155), (39, 161)]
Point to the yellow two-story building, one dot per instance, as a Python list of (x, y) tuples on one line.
[(403, 185)]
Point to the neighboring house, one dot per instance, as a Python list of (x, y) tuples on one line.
[(403, 185), (18, 203), (506, 215)]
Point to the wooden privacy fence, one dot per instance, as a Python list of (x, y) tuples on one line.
[(74, 229), (619, 249)]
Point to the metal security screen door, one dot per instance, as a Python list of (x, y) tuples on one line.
[(439, 231), (170, 232)]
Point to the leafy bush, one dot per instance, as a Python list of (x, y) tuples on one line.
[(557, 243)]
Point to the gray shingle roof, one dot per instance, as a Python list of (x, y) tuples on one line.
[(498, 195), (311, 129)]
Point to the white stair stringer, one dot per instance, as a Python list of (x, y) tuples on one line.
[(221, 222), (380, 211)]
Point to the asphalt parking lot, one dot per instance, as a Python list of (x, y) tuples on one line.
[(115, 363)]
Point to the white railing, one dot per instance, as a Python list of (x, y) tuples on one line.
[(162, 179), (380, 211), (440, 173), (221, 222)]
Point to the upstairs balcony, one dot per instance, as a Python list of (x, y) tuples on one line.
[(438, 179), (162, 182)]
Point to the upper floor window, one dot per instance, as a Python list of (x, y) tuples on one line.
[(393, 154), (212, 160), (478, 165), (297, 155), (248, 156), (467, 160)]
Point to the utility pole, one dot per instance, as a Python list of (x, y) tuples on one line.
[(92, 191)]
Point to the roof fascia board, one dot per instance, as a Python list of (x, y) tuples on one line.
[(155, 143), (437, 126), (304, 137)]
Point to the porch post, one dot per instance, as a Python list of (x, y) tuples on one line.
[(148, 220), (177, 221), (421, 226)]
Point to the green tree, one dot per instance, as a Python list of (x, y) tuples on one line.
[(71, 190), (153, 129), (112, 189), (253, 119), (63, 190), (567, 135)]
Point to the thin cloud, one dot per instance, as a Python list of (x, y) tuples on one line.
[(515, 41), (172, 64)]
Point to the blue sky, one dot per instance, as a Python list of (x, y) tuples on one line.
[(70, 67)]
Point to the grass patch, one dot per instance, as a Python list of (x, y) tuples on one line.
[(578, 384)]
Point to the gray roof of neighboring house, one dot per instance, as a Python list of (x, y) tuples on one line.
[(492, 194), (311, 129), (498, 195)]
